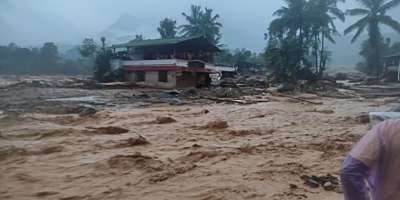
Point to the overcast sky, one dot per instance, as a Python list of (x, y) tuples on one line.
[(31, 22)]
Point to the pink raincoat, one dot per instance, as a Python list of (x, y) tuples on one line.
[(374, 163)]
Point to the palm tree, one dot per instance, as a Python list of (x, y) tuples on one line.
[(194, 21), (167, 28), (290, 21), (301, 28), (138, 37), (372, 16), (103, 43), (321, 15), (211, 26), (203, 23)]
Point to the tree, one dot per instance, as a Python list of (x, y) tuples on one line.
[(103, 43), (385, 46), (49, 56), (203, 23), (88, 48), (298, 37), (167, 28), (287, 34), (320, 17), (373, 14), (138, 37), (102, 70)]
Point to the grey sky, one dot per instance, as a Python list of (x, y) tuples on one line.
[(31, 22)]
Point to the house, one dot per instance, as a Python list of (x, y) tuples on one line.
[(166, 63), (392, 65)]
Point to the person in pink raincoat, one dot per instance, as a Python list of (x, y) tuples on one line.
[(372, 168)]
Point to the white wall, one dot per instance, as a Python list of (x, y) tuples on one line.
[(152, 80)]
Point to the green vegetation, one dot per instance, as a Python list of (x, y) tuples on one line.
[(202, 22), (386, 47), (88, 48), (296, 48), (297, 38), (167, 28), (373, 14), (138, 38), (44, 60), (237, 56), (101, 58)]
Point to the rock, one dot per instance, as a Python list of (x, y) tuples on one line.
[(328, 182), (165, 120), (328, 186)]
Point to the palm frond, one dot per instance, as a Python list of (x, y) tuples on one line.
[(358, 33), (338, 13), (390, 22), (389, 5), (360, 23), (357, 12)]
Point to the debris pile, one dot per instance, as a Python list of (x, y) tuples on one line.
[(328, 182), (50, 82)]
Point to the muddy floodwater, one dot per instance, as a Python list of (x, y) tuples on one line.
[(198, 151)]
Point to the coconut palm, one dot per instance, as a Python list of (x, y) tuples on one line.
[(167, 28), (373, 14), (290, 21), (321, 15), (203, 23), (301, 28)]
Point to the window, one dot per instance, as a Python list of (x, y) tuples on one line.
[(140, 76), (162, 76)]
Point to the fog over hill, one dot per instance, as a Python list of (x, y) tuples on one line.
[(68, 22)]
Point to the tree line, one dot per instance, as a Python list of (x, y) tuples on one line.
[(296, 41), (297, 37), (44, 60)]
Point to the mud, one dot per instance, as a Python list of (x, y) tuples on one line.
[(211, 151)]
